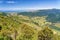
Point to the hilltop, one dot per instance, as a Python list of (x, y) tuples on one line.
[(19, 23)]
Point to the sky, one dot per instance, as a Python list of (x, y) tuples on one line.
[(29, 4)]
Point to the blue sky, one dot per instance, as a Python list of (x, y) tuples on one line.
[(28, 4)]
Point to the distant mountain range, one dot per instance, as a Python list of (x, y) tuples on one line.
[(29, 10), (41, 12), (12, 10), (53, 14)]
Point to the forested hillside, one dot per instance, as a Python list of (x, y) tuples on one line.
[(36, 25), (53, 14)]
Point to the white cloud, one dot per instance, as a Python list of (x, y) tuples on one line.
[(10, 2)]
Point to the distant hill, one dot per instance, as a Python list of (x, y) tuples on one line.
[(53, 14), (41, 12)]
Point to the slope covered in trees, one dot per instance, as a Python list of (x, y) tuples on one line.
[(23, 26)]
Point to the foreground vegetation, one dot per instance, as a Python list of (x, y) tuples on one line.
[(18, 27)]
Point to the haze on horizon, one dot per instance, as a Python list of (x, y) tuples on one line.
[(29, 4)]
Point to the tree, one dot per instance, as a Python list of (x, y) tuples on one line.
[(45, 34), (27, 33)]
